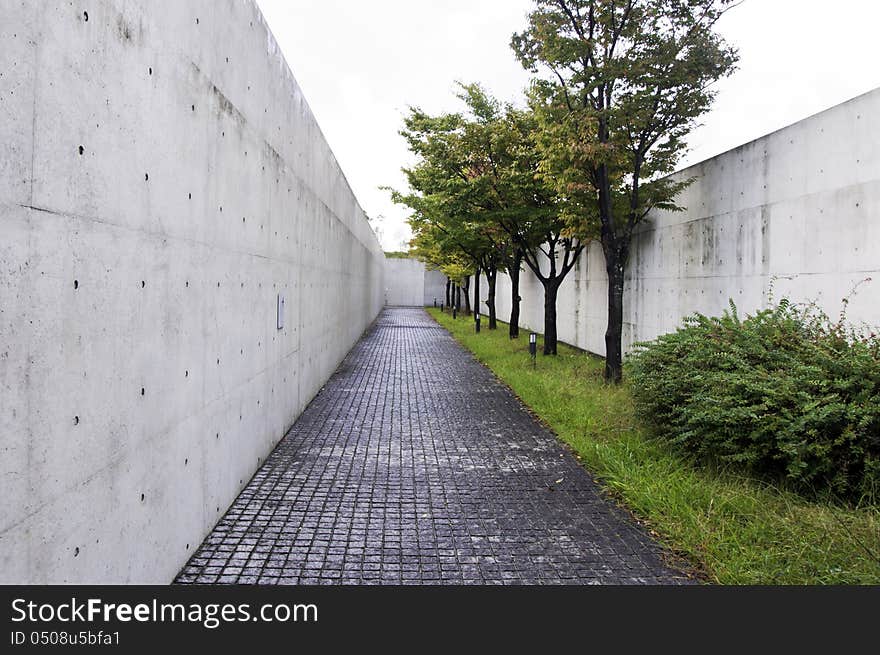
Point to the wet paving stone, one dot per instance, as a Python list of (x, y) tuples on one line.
[(414, 465)]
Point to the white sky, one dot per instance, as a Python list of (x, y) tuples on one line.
[(361, 64)]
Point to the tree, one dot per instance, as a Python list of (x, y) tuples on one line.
[(627, 80), (431, 247), (477, 186), (527, 206), (442, 197)]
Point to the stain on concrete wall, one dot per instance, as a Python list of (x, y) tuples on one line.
[(162, 182)]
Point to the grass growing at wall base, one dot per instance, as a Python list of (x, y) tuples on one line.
[(734, 529)]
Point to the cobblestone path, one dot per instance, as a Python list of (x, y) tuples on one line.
[(413, 465)]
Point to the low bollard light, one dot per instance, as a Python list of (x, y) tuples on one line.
[(441, 307), (477, 322), (435, 303), (533, 347), (454, 311)]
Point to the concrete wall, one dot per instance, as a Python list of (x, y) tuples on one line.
[(435, 288), (162, 180), (409, 284), (404, 282), (801, 205)]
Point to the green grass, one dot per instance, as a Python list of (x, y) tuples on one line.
[(732, 529)]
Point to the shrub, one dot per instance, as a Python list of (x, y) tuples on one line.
[(784, 393)]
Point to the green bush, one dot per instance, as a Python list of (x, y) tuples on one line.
[(785, 393)]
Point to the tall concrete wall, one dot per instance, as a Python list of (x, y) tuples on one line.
[(162, 180), (801, 205)]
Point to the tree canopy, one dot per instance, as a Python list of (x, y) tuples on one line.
[(624, 83)]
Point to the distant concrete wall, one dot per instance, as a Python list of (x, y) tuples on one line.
[(435, 288), (801, 205), (162, 180), (409, 283), (404, 282)]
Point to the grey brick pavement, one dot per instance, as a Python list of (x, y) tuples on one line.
[(413, 465)]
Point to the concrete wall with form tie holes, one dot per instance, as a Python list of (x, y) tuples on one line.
[(162, 181), (796, 212)]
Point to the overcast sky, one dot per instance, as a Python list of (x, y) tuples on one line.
[(361, 64)]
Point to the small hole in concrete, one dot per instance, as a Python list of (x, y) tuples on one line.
[(242, 219), (187, 546), (189, 196), (81, 150), (142, 497), (187, 284), (143, 391), (197, 21), (193, 107), (186, 374), (76, 552), (151, 70), (186, 461), (146, 177), (76, 284), (86, 16), (218, 435), (218, 361), (143, 284), (76, 420)]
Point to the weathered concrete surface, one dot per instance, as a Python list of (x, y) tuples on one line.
[(801, 206), (414, 465), (162, 179)]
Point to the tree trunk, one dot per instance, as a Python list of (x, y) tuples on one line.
[(467, 295), (477, 308), (615, 264), (551, 287), (448, 284), (514, 296), (491, 278)]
